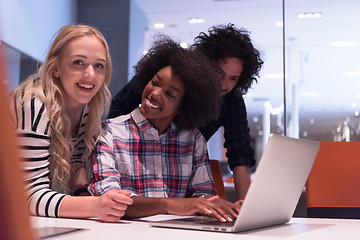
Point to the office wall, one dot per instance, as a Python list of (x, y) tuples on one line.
[(138, 26), (29, 25), (123, 24)]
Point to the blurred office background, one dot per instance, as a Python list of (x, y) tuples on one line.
[(317, 47)]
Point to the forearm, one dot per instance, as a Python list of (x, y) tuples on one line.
[(78, 207), (146, 206), (241, 177)]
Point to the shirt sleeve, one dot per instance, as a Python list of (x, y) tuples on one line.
[(236, 132), (34, 143), (125, 101), (201, 181), (105, 174)]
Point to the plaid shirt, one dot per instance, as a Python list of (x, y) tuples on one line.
[(233, 118), (132, 155)]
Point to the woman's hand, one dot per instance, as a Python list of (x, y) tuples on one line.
[(111, 205), (229, 208), (209, 205)]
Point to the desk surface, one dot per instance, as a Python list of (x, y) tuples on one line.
[(297, 228)]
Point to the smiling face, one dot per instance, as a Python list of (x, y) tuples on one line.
[(230, 70), (81, 70), (161, 98)]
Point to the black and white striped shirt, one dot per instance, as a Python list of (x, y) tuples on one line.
[(34, 138)]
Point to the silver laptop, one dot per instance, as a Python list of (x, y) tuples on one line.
[(273, 194)]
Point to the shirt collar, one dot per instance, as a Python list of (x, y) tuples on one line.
[(144, 124)]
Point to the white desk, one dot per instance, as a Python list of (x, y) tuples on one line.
[(297, 228)]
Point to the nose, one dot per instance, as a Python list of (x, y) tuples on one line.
[(225, 84), (89, 72), (156, 93)]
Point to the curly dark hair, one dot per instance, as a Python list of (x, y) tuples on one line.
[(201, 101), (227, 41)]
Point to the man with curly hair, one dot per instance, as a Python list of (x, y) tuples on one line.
[(238, 64), (156, 151)]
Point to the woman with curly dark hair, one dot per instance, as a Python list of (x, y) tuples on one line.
[(156, 152), (238, 64)]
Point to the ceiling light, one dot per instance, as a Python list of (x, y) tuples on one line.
[(279, 23), (356, 113), (312, 121), (309, 15), (309, 94), (196, 20), (255, 119), (342, 44), (184, 45), (159, 25)]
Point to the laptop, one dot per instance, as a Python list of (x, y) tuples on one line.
[(273, 194)]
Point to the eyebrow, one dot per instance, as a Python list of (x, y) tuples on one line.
[(172, 87), (82, 56), (219, 68)]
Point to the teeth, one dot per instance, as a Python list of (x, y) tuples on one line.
[(150, 104), (86, 86)]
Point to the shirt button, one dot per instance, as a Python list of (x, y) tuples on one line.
[(159, 175)]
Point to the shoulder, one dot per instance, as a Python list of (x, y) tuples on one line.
[(191, 135), (31, 115), (233, 96), (115, 124), (120, 120)]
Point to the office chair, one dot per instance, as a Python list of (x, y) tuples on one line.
[(333, 186), (218, 180)]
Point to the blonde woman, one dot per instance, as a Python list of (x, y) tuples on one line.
[(57, 115)]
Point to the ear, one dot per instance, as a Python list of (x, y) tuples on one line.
[(56, 72)]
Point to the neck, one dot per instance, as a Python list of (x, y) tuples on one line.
[(74, 113)]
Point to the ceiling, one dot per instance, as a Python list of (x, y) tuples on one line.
[(325, 78)]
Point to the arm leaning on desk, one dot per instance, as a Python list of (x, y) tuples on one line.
[(297, 228)]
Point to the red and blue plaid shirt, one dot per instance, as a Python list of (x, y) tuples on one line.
[(132, 155)]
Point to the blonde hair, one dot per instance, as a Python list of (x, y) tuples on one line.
[(50, 91)]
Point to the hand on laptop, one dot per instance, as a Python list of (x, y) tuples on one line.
[(229, 208), (191, 206), (239, 202), (208, 205)]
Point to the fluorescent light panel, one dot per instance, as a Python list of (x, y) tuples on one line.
[(196, 20), (309, 15), (159, 25)]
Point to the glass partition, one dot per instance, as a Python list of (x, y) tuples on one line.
[(322, 44), (19, 66)]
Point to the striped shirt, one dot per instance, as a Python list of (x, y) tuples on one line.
[(132, 155), (34, 136)]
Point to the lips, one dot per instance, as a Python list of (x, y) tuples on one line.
[(151, 104), (86, 86)]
